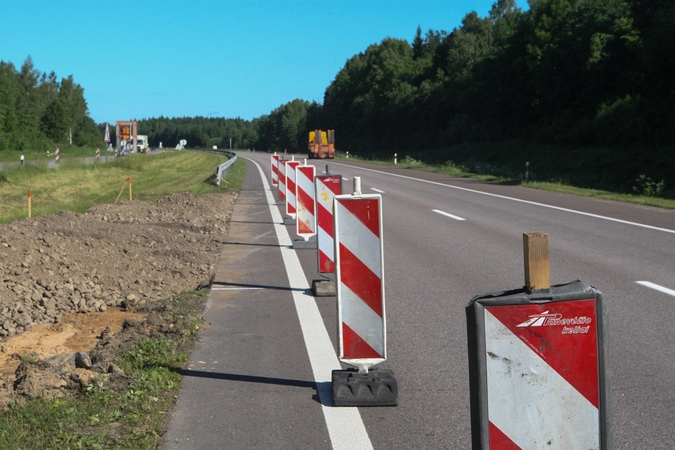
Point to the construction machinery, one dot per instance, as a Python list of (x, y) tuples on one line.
[(321, 144), (127, 135)]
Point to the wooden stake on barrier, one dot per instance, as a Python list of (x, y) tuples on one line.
[(221, 178), (30, 201), (537, 271), (128, 180)]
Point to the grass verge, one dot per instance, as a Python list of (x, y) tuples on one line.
[(77, 187), (128, 410), (65, 152), (646, 191)]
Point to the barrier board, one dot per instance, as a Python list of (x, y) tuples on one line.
[(537, 368), (360, 279), (282, 179), (326, 188), (305, 201), (275, 169), (291, 204)]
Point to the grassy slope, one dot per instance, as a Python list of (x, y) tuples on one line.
[(77, 187), (632, 176)]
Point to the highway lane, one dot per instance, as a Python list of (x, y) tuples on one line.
[(434, 264)]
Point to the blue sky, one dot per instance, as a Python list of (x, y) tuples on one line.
[(236, 58)]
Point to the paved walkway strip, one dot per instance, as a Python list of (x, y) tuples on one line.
[(345, 425)]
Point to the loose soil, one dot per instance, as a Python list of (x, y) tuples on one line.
[(74, 282)]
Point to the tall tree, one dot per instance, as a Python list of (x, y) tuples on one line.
[(29, 80), (54, 123), (71, 95)]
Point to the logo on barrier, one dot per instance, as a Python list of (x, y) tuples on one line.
[(556, 319)]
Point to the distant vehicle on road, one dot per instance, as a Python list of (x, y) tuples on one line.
[(142, 143), (321, 144)]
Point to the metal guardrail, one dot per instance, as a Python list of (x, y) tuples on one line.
[(225, 167)]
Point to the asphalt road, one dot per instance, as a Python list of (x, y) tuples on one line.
[(254, 380)]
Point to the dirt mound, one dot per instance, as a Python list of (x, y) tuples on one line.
[(65, 278)]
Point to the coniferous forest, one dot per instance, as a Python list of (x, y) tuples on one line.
[(585, 80), (38, 111)]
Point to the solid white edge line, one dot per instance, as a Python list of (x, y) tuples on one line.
[(656, 287), (443, 213), (377, 190), (345, 426), (596, 216)]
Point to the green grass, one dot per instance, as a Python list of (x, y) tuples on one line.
[(77, 187), (65, 152), (645, 190)]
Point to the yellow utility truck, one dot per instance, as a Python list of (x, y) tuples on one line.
[(321, 144)]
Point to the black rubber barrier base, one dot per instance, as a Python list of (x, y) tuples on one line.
[(289, 221), (378, 387), (302, 244), (324, 288)]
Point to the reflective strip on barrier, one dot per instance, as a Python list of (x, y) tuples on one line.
[(537, 365), (327, 187), (290, 188), (306, 205), (275, 169), (360, 279), (282, 179)]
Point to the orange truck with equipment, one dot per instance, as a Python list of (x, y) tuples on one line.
[(321, 144)]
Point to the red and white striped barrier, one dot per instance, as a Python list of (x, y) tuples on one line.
[(360, 278), (326, 187), (541, 370), (275, 169), (282, 179), (57, 155), (306, 204), (291, 204)]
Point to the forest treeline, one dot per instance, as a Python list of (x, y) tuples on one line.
[(285, 128), (572, 72), (37, 111), (564, 74), (568, 74)]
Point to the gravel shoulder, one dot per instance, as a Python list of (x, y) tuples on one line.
[(69, 281)]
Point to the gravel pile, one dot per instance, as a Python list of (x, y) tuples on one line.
[(111, 255)]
